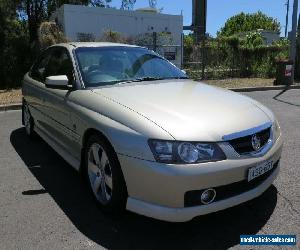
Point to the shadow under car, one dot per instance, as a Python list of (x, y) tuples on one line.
[(219, 230)]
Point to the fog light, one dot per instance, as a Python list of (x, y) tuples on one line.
[(208, 196)]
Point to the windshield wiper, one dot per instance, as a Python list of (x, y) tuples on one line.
[(177, 77), (147, 78), (142, 79)]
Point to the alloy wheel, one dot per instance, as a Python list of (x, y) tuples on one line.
[(100, 173)]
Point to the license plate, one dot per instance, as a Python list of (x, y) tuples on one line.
[(259, 170)]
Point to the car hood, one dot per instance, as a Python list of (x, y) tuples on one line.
[(189, 110)]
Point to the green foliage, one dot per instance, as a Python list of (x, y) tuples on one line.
[(188, 43), (24, 32), (41, 10), (52, 5), (234, 57), (297, 67), (282, 42), (147, 39), (128, 4), (15, 56), (36, 12), (49, 34), (14, 46), (112, 36), (253, 40), (248, 22), (100, 3), (231, 41)]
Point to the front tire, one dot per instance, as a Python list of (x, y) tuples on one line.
[(104, 175)]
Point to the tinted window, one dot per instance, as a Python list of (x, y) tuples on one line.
[(55, 61), (110, 65), (60, 64), (39, 68)]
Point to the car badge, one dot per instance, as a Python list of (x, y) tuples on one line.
[(255, 141)]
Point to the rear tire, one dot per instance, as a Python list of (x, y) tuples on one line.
[(104, 175), (28, 120)]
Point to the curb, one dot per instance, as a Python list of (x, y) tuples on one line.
[(280, 87), (17, 106), (13, 106)]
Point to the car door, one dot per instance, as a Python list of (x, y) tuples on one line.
[(34, 88), (56, 100)]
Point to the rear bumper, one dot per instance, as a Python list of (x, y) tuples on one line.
[(186, 214)]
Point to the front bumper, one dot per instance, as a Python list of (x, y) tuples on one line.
[(157, 190)]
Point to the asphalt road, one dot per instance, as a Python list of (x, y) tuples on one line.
[(44, 204)]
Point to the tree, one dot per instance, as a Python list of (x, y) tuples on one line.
[(188, 44), (253, 40), (128, 4), (113, 36), (7, 14), (20, 23), (35, 12), (100, 3), (14, 56), (52, 5), (249, 22), (49, 34)]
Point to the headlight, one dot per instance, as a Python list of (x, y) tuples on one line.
[(276, 130), (185, 152)]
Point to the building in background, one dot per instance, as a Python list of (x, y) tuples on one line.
[(90, 23), (268, 36)]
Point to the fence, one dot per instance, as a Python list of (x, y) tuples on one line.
[(163, 44), (220, 60)]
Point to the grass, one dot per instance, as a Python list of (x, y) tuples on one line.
[(241, 82)]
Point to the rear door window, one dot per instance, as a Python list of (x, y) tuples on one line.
[(39, 68), (53, 62), (60, 64)]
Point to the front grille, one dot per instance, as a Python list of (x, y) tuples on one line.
[(243, 145), (192, 198)]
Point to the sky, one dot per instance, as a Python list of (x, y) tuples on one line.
[(218, 11)]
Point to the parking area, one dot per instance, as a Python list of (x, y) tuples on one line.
[(44, 203)]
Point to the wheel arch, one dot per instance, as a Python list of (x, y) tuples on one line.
[(87, 134)]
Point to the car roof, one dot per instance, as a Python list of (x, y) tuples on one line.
[(94, 44)]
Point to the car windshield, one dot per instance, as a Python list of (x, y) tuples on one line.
[(102, 66)]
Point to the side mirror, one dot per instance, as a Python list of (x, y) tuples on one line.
[(57, 81), (183, 71)]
